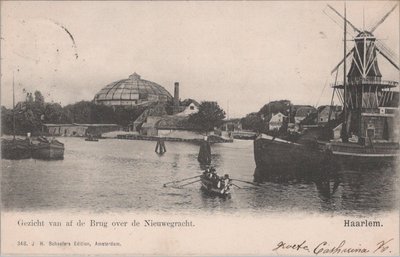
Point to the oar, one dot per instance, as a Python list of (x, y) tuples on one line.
[(189, 183), (176, 181), (254, 184), (236, 186)]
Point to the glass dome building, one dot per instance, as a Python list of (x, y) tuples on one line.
[(131, 91)]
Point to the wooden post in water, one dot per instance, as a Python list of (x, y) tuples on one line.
[(160, 146)]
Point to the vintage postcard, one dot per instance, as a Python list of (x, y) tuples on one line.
[(209, 128)]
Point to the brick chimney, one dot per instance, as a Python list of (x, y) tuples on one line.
[(176, 94), (176, 98)]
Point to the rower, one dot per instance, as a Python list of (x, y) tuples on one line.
[(226, 179), (211, 172)]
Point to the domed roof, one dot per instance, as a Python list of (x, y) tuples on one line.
[(131, 91)]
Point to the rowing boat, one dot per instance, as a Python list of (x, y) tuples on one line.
[(214, 184)]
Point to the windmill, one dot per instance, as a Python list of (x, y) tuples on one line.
[(363, 93), (364, 63)]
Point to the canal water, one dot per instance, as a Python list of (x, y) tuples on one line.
[(126, 175)]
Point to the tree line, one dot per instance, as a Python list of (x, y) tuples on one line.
[(258, 121), (34, 111), (31, 114)]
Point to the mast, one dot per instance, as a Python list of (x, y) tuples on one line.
[(228, 109), (344, 124), (13, 109)]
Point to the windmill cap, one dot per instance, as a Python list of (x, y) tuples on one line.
[(365, 34)]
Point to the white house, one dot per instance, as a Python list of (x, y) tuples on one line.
[(276, 121), (190, 106)]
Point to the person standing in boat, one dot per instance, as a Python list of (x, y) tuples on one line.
[(205, 152)]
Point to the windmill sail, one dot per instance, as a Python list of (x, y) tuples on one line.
[(387, 54), (343, 18), (373, 28), (341, 62)]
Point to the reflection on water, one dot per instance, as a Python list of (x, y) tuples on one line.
[(124, 175)]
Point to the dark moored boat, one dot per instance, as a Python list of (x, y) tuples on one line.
[(92, 139), (214, 184), (284, 160), (356, 155), (15, 149), (47, 149)]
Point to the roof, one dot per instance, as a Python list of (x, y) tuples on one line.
[(231, 121), (58, 125), (130, 88), (177, 123), (97, 125), (327, 107), (153, 110), (274, 114), (188, 101), (82, 125)]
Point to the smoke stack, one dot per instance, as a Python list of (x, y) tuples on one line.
[(176, 94)]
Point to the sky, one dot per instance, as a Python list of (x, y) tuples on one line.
[(240, 54)]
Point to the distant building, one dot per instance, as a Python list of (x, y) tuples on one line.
[(231, 125), (154, 119), (337, 132), (132, 91), (75, 129), (154, 110), (302, 112), (309, 122), (326, 113), (276, 121), (173, 126), (148, 128), (187, 107), (178, 127)]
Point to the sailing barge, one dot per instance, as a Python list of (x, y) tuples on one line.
[(39, 148), (45, 149), (15, 149)]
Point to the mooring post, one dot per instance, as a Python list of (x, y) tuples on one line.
[(160, 146)]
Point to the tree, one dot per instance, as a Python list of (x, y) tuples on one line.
[(29, 98), (39, 97), (273, 107), (253, 122), (53, 113), (210, 115)]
